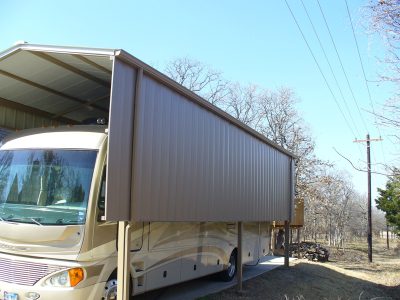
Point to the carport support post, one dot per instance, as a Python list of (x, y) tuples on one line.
[(287, 228), (298, 242), (239, 257), (123, 276)]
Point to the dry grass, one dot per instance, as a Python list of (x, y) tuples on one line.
[(385, 266), (347, 276)]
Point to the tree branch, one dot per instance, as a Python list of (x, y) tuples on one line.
[(362, 170)]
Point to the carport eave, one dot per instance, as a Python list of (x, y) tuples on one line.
[(58, 49), (95, 58)]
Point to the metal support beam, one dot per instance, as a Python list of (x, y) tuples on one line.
[(92, 63), (240, 257), (50, 90), (287, 229), (123, 276), (72, 69)]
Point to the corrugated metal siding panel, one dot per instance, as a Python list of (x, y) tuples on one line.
[(14, 119), (120, 143), (3, 133), (191, 165)]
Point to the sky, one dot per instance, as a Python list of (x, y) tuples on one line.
[(254, 42)]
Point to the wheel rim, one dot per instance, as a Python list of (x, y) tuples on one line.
[(110, 290), (232, 266)]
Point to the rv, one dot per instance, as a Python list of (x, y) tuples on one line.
[(54, 243)]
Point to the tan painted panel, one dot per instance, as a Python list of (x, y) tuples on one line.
[(192, 165)]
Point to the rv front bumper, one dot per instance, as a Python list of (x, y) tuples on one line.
[(19, 292)]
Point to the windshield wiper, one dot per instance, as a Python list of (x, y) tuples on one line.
[(34, 221)]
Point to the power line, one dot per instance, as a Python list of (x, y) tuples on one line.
[(330, 67), (365, 77), (341, 64), (359, 57), (319, 67)]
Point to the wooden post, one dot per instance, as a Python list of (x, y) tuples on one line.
[(369, 201), (272, 241), (239, 257), (291, 235), (298, 242), (369, 229), (287, 228), (123, 275)]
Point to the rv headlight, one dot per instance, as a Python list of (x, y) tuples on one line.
[(68, 278), (32, 296)]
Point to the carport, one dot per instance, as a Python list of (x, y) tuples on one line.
[(43, 86)]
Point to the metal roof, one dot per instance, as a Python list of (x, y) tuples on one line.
[(57, 84)]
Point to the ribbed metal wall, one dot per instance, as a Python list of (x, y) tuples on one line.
[(12, 118), (120, 141), (192, 165)]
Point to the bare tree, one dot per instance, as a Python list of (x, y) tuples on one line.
[(279, 119), (198, 78), (242, 102), (335, 212), (358, 211), (280, 122), (384, 20), (384, 17)]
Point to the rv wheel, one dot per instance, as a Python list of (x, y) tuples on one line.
[(110, 289), (230, 272)]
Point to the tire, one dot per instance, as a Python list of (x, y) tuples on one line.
[(110, 288), (229, 273)]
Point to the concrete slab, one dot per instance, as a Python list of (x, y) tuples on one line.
[(208, 285)]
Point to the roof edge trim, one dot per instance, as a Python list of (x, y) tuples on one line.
[(57, 49)]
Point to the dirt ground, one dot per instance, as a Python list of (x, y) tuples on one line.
[(346, 276)]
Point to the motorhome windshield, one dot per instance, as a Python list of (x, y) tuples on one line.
[(45, 187)]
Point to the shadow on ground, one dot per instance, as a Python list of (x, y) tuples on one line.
[(308, 281), (187, 290)]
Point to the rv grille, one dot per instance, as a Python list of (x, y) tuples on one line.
[(24, 273)]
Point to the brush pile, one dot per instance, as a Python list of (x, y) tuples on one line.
[(311, 251)]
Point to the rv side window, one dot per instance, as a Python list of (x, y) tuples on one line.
[(102, 196)]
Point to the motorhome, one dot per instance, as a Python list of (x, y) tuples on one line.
[(54, 243)]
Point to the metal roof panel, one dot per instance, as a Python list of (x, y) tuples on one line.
[(61, 81)]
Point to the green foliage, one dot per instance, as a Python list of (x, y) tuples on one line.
[(389, 201)]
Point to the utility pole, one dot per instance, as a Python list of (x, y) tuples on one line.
[(369, 230)]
